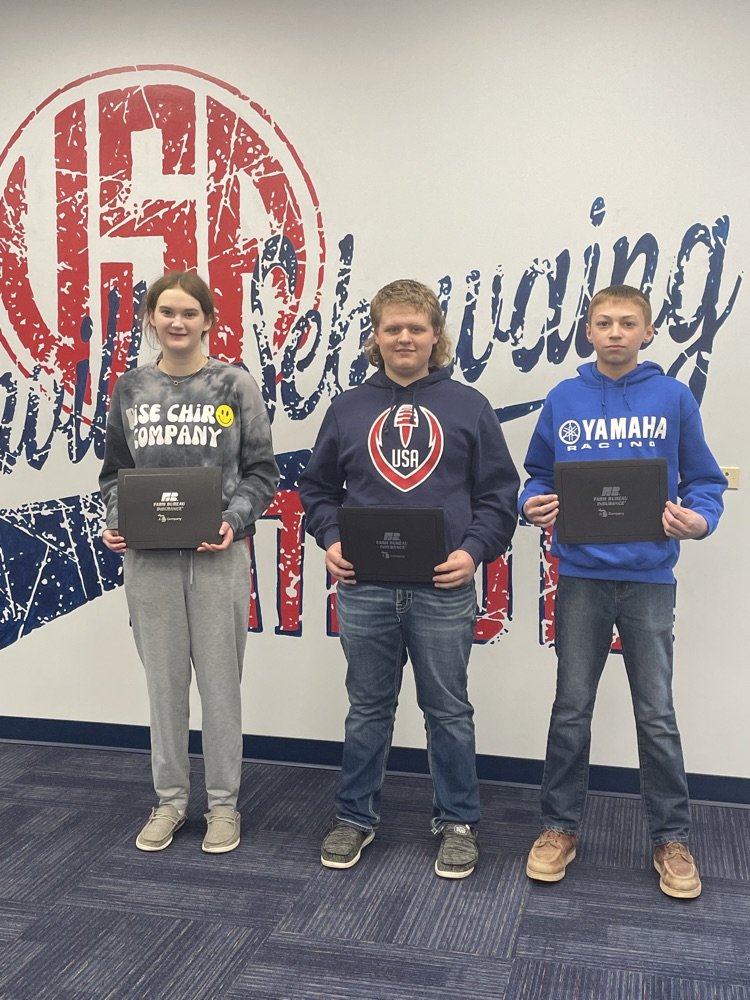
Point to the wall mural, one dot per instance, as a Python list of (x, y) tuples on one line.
[(125, 173)]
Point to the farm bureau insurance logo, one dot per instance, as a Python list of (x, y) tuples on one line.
[(126, 173)]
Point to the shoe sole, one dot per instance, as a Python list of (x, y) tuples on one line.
[(550, 876), (446, 873), (677, 893), (221, 848), (150, 847), (349, 864)]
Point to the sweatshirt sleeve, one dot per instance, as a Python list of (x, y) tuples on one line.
[(702, 483), (540, 460), (321, 485), (258, 472), (117, 456), (494, 491)]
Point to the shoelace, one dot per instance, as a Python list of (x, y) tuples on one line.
[(551, 837), (677, 849)]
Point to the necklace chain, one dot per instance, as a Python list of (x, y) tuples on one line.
[(179, 379)]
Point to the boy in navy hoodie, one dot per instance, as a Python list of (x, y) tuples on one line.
[(618, 408), (410, 436)]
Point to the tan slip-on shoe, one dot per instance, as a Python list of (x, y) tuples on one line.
[(161, 826), (223, 831)]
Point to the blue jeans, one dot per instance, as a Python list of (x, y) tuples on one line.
[(585, 613), (379, 628)]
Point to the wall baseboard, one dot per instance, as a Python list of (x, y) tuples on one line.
[(327, 753)]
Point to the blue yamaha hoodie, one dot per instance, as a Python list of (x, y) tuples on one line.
[(644, 414), (434, 443)]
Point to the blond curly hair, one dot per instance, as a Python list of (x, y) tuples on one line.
[(407, 292)]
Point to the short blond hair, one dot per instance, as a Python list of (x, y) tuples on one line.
[(407, 292), (619, 293)]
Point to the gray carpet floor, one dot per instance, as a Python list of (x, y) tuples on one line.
[(86, 916)]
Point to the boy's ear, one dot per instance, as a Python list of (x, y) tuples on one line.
[(648, 336), (588, 332)]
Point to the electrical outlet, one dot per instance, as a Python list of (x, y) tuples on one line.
[(732, 473)]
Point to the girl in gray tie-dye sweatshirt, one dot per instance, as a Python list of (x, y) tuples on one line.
[(214, 417), (191, 607)]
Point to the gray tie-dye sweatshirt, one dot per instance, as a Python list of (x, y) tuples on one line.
[(215, 417)]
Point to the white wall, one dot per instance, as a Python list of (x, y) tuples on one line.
[(445, 138)]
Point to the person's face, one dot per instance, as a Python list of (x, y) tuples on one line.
[(617, 330), (179, 322), (405, 337)]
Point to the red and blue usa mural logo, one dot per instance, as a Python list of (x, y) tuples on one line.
[(127, 173), (111, 180), (410, 459)]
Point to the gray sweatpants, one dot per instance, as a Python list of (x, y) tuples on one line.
[(192, 607)]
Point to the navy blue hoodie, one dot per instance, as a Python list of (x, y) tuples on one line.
[(434, 443), (644, 414)]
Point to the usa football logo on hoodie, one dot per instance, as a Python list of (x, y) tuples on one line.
[(405, 445)]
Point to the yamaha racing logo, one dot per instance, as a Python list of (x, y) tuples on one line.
[(613, 432)]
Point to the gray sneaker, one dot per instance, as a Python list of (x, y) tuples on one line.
[(342, 845), (162, 824), (458, 853), (223, 833)]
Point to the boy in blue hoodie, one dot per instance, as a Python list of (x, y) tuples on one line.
[(410, 436), (618, 408)]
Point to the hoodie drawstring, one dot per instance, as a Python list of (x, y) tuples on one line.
[(603, 391)]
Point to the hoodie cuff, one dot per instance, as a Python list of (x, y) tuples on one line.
[(330, 535), (474, 551), (233, 520)]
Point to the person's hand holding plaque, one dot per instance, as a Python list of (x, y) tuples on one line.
[(682, 523), (114, 541), (340, 569), (227, 537), (457, 570), (542, 510)]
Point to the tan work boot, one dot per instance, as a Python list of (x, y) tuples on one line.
[(550, 855), (678, 870)]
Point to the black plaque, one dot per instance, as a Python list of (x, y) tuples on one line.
[(611, 501), (393, 544), (169, 508)]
